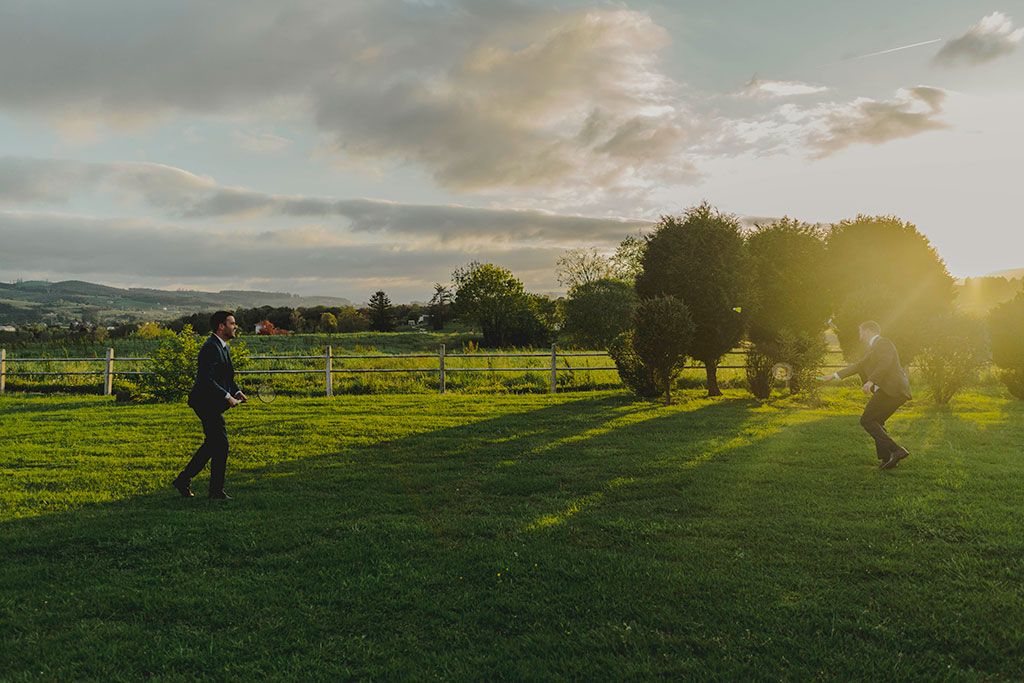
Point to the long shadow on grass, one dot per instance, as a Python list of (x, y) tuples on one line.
[(400, 542)]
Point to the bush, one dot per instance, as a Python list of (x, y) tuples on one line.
[(759, 373), (637, 376), (656, 350), (954, 355), (805, 354), (802, 352), (1006, 331), (173, 369), (1013, 380)]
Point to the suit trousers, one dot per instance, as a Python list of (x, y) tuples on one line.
[(213, 450), (880, 408)]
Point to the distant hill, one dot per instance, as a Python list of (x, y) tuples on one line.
[(74, 301), (1012, 274)]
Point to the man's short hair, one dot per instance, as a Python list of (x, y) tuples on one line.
[(218, 319), (871, 326)]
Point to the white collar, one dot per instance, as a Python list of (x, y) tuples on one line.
[(870, 343), (222, 342)]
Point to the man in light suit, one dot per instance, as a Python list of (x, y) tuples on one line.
[(213, 393), (886, 384)]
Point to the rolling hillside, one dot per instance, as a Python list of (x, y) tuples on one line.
[(74, 300)]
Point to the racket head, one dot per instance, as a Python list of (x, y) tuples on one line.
[(266, 392), (782, 372)]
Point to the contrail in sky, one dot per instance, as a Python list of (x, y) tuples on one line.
[(896, 49)]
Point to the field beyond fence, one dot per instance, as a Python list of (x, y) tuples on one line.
[(324, 369)]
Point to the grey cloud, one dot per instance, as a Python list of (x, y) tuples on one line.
[(825, 128), (25, 180), (549, 103), (483, 94), (989, 39), (180, 194), (866, 121), (118, 249)]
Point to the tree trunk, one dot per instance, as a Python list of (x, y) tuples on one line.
[(712, 371)]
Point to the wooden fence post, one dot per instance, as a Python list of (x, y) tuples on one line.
[(108, 374), (554, 367), (3, 370), (327, 373), (440, 361)]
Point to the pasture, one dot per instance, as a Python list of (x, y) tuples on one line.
[(539, 537)]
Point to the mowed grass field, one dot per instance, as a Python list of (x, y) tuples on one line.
[(522, 537)]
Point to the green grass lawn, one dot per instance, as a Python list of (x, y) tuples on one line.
[(525, 537)]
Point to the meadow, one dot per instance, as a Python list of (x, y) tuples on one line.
[(583, 535)]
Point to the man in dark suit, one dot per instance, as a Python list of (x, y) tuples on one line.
[(213, 393), (886, 384)]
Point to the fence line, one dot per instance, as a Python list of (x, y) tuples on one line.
[(328, 370)]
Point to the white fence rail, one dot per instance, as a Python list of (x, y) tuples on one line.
[(110, 370)]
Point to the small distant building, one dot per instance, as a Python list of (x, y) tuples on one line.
[(8, 328)]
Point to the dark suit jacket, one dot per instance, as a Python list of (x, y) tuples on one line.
[(881, 366), (215, 377)]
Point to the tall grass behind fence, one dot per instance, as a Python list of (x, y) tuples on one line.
[(301, 371)]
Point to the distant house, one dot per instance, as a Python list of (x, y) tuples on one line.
[(8, 328)]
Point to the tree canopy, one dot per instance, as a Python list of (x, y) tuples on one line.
[(881, 268), (382, 318), (493, 298), (597, 312), (699, 258)]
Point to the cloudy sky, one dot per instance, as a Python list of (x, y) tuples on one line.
[(341, 146)]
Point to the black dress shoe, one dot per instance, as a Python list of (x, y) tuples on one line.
[(219, 496), (895, 457), (184, 488)]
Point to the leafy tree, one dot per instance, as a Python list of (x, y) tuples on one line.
[(349, 319), (151, 330), (956, 350), (381, 317), (881, 268), (440, 306), (296, 323), (1006, 331), (328, 323), (699, 258), (787, 306), (494, 299), (597, 312)]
